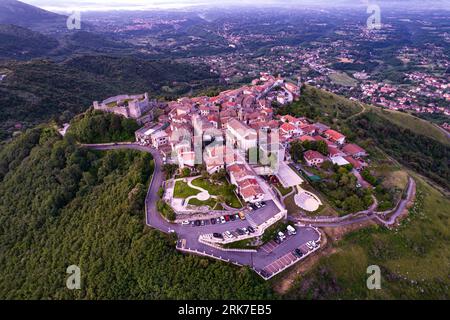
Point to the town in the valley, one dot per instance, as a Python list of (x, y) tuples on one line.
[(233, 188)]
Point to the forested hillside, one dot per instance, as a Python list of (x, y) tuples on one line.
[(417, 151), (21, 43), (100, 127), (61, 205), (37, 91)]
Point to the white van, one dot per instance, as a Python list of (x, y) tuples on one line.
[(291, 230)]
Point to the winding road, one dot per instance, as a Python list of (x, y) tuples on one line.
[(280, 256), (370, 214), (189, 235)]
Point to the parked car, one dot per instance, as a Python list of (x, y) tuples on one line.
[(263, 204), (213, 221), (222, 219), (310, 247), (298, 253), (281, 236), (240, 232), (218, 235), (241, 215), (250, 228), (232, 217), (291, 230), (246, 231), (198, 223), (185, 223), (228, 234), (218, 220), (312, 243), (202, 222), (227, 218), (236, 216), (277, 240)]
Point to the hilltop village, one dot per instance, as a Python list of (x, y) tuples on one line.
[(233, 170), (222, 133)]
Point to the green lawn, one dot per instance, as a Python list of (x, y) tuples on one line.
[(284, 191), (183, 191), (212, 203), (224, 189), (291, 207)]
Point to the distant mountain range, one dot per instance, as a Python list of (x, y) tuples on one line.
[(28, 32), (25, 15)]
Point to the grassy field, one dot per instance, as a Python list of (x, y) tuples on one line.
[(322, 106), (283, 191), (343, 79), (414, 259), (212, 203), (224, 189), (183, 191), (414, 124), (291, 207)]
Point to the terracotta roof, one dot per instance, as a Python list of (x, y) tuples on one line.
[(247, 182), (287, 127), (311, 155), (308, 128), (355, 163), (251, 191), (239, 171), (328, 142), (306, 138), (289, 118), (333, 151), (334, 134), (352, 149)]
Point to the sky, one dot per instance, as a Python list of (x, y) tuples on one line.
[(105, 5), (101, 5)]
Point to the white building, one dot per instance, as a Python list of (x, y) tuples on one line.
[(241, 135)]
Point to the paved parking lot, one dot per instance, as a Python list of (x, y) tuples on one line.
[(269, 246), (285, 261), (281, 263)]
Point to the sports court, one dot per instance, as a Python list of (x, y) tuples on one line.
[(287, 176)]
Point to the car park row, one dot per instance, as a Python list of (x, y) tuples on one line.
[(213, 221), (289, 259)]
